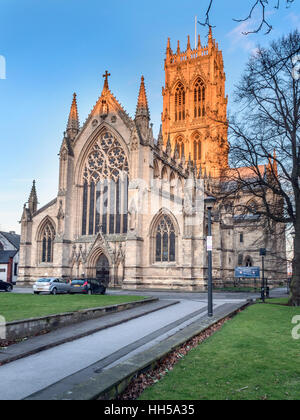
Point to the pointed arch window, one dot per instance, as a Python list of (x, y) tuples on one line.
[(47, 240), (165, 246), (197, 148), (105, 187), (179, 102), (199, 99), (180, 146)]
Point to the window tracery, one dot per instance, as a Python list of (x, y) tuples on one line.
[(165, 240), (47, 239), (199, 99), (179, 102), (105, 187)]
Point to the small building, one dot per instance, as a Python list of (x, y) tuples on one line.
[(9, 256)]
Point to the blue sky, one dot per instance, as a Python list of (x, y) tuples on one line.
[(53, 48)]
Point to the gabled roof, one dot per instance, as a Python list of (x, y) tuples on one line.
[(13, 238), (108, 103), (245, 173), (6, 255)]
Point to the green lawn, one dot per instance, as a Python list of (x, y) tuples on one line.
[(251, 357), (21, 306)]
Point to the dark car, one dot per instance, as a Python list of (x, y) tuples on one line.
[(87, 286), (7, 287)]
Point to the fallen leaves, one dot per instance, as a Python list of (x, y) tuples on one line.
[(164, 366)]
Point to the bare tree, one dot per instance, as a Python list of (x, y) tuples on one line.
[(265, 141), (263, 5)]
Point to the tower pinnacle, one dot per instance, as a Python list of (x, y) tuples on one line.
[(142, 115), (33, 202), (73, 121)]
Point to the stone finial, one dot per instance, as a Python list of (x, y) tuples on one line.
[(160, 141), (189, 43), (169, 147), (33, 201), (142, 104), (73, 120)]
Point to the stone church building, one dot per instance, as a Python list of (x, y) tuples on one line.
[(131, 208)]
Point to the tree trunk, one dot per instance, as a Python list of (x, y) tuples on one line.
[(295, 284)]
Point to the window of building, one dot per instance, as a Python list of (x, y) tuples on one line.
[(47, 239), (105, 188), (248, 262), (241, 237), (179, 103), (240, 260), (199, 99), (197, 147), (180, 146), (165, 240)]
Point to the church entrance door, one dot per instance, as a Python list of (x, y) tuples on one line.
[(102, 270)]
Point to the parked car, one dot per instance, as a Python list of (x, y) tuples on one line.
[(7, 287), (51, 285), (87, 286)]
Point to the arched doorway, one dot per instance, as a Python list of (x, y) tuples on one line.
[(102, 269)]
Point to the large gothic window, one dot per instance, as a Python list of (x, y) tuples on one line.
[(199, 99), (165, 240), (197, 147), (105, 188), (47, 238), (179, 102), (180, 146)]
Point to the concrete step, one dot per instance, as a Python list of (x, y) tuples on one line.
[(73, 332)]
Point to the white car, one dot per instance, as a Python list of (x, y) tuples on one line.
[(51, 285)]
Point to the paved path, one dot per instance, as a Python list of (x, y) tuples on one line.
[(71, 362), (21, 378)]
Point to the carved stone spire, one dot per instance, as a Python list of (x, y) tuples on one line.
[(189, 43), (176, 153), (160, 141), (73, 121), (33, 201), (199, 43), (169, 147), (169, 49), (142, 115)]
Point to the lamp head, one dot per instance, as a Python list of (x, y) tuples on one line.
[(210, 202)]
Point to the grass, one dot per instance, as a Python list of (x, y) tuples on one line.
[(22, 306), (253, 357)]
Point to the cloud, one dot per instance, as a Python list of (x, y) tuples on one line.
[(295, 20), (240, 41)]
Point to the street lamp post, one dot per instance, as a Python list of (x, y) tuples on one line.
[(263, 253), (209, 201)]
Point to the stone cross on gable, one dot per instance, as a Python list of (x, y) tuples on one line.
[(106, 76)]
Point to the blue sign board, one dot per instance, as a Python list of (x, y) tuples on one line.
[(247, 272)]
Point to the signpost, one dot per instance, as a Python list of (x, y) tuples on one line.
[(247, 272)]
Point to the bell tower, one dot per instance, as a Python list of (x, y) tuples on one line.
[(195, 105)]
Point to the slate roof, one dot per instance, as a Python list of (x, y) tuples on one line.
[(13, 238), (6, 255)]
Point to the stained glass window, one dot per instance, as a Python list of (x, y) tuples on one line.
[(105, 189), (199, 99), (48, 236), (179, 102), (165, 240)]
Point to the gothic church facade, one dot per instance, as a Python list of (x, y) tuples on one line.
[(130, 207)]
